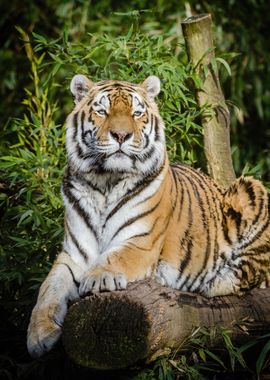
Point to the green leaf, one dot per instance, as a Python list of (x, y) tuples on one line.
[(129, 33), (225, 64), (65, 35), (202, 355), (261, 360), (39, 37), (215, 357), (25, 215)]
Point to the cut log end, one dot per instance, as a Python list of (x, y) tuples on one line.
[(110, 333)]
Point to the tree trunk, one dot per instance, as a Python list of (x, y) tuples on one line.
[(199, 42), (114, 330)]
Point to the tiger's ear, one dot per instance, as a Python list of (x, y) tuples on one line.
[(152, 86), (80, 86)]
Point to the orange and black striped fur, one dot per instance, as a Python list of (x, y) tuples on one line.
[(130, 215)]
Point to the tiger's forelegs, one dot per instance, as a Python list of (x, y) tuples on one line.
[(47, 317), (114, 270)]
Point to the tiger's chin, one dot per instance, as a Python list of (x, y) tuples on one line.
[(119, 162), (114, 164)]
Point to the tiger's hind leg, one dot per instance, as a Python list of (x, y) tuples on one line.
[(57, 290), (245, 208), (225, 283)]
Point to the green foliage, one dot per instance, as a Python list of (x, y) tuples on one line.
[(198, 359), (30, 199)]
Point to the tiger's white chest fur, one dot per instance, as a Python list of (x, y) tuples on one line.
[(98, 215)]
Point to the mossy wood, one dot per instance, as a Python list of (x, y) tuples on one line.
[(198, 36), (115, 330)]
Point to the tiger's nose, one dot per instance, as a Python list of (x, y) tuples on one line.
[(120, 136)]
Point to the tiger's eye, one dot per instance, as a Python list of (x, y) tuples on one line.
[(137, 113), (101, 112)]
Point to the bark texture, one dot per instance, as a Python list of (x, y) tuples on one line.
[(198, 36), (114, 330)]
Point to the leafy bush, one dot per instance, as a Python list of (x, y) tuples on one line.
[(197, 358), (31, 225)]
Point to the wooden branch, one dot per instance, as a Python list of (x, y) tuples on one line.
[(198, 36), (114, 330)]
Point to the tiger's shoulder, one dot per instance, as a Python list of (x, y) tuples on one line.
[(189, 174)]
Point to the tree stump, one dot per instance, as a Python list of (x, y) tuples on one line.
[(116, 329)]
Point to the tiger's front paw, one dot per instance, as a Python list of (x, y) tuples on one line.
[(97, 280), (167, 275), (45, 328)]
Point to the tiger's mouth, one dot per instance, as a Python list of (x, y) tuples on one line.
[(118, 153)]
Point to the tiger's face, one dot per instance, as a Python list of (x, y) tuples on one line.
[(115, 126)]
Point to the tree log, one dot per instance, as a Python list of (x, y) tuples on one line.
[(198, 37), (114, 330)]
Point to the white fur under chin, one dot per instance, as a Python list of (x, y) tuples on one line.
[(119, 163)]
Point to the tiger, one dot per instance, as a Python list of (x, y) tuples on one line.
[(130, 215)]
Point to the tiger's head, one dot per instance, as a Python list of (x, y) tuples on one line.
[(115, 126)]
